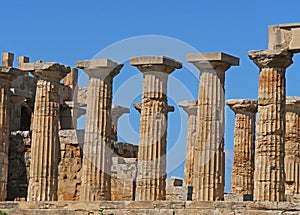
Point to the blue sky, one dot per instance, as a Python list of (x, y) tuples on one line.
[(67, 31)]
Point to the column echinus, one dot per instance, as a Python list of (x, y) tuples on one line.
[(209, 155), (95, 179), (269, 177), (151, 176), (7, 75), (190, 107), (244, 138), (292, 146), (43, 182)]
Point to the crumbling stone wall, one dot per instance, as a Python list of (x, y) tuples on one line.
[(18, 165), (69, 177)]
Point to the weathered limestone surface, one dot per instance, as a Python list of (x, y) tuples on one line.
[(123, 176), (116, 112), (190, 107), (292, 146), (71, 81), (7, 75), (18, 165), (71, 142), (151, 176), (125, 150), (69, 175), (22, 87), (285, 36), (244, 137), (209, 155), (45, 144), (175, 191), (82, 96), (269, 178), (95, 180), (150, 207)]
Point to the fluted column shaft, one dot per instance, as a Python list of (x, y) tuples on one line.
[(209, 155), (95, 179), (190, 107), (244, 137), (269, 177), (292, 146), (151, 176), (43, 182)]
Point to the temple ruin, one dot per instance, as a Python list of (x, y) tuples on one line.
[(46, 162)]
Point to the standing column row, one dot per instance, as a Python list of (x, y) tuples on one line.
[(151, 176)]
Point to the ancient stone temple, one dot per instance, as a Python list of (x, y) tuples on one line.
[(50, 166), (151, 175), (209, 157), (244, 137)]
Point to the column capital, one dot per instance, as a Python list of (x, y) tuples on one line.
[(242, 105), (271, 58), (218, 61), (9, 73), (117, 111), (46, 70), (292, 103), (155, 64), (138, 107), (189, 106), (100, 68)]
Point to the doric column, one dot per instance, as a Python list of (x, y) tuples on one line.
[(190, 107), (116, 112), (7, 75), (269, 175), (292, 146), (45, 145), (151, 176), (209, 155), (244, 137), (95, 180)]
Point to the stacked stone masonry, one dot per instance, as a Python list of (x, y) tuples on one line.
[(44, 158)]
